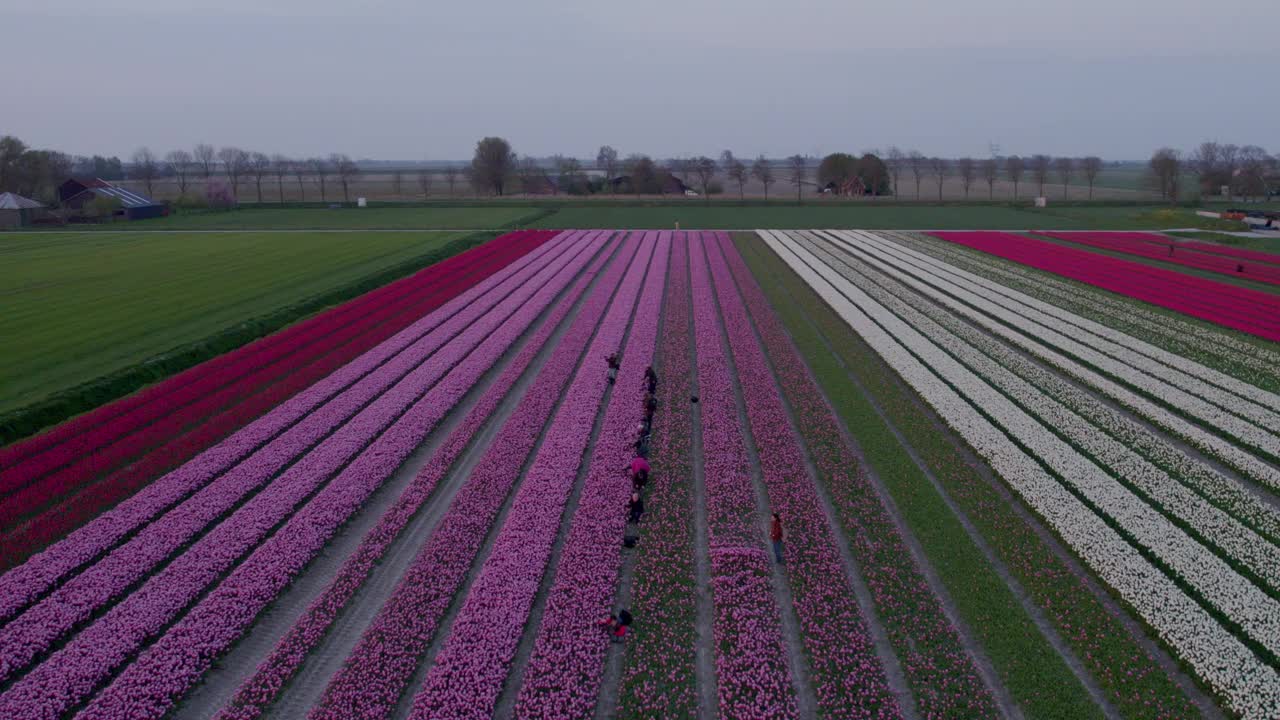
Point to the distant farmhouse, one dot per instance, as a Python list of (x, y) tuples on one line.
[(77, 196), (17, 211)]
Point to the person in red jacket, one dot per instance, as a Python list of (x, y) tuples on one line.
[(775, 534)]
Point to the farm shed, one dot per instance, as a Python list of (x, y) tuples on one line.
[(76, 193), (16, 211)]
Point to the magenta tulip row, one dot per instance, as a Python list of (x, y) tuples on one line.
[(88, 657), (659, 676), (378, 670), (1152, 247), (469, 672), (87, 445), (753, 676), (848, 678), (265, 446), (1180, 246), (1249, 311), (227, 612), (943, 677), (261, 689), (565, 669)]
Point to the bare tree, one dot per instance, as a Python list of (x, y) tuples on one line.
[(451, 177), (763, 171), (1014, 167), (738, 171), (280, 167), (527, 171), (1166, 171), (397, 182), (990, 172), (1252, 179), (940, 167), (1204, 162), (918, 164), (607, 160), (492, 164), (1066, 167), (967, 169), (799, 170), (235, 163), (180, 164), (259, 166), (1040, 166), (424, 182), (206, 157), (1228, 164), (1091, 166), (346, 170), (705, 168), (145, 167), (299, 169), (681, 167), (320, 168), (897, 160)]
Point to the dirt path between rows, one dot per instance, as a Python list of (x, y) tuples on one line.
[(222, 681)]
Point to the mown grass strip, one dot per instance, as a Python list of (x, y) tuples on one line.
[(27, 420), (1037, 677)]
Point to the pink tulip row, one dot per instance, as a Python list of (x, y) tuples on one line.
[(566, 667), (942, 675), (659, 673), (377, 672), (77, 492), (266, 445), (1157, 248), (1181, 246), (257, 692), (88, 445), (220, 619), (471, 667), (753, 676), (848, 677), (1250, 311), (76, 669)]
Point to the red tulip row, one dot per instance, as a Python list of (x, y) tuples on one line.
[(567, 664), (941, 673), (257, 692), (659, 671), (378, 670), (1265, 258), (1156, 248), (753, 675), (79, 491), (222, 475), (848, 677), (471, 668), (362, 453), (149, 687), (1250, 311)]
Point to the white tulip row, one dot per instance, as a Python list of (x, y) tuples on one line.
[(1235, 541), (1247, 684), (1215, 348), (1044, 343), (1249, 408)]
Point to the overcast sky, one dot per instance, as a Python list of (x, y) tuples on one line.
[(414, 79)]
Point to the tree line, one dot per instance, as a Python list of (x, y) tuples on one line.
[(1245, 171)]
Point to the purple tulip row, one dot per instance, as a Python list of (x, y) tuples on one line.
[(942, 675), (848, 678), (35, 630), (76, 669), (469, 671), (257, 692), (659, 670), (754, 679), (375, 675), (349, 388), (566, 667)]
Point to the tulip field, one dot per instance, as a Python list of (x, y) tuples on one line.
[(1015, 478)]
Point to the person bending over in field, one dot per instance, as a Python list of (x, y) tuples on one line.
[(635, 508), (613, 364), (651, 380)]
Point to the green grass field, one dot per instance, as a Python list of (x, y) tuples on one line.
[(81, 306), (347, 218)]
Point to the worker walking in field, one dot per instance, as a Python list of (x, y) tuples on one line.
[(651, 380), (775, 534), (635, 508), (614, 364)]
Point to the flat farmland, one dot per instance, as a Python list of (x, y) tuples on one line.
[(80, 306), (346, 218)]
